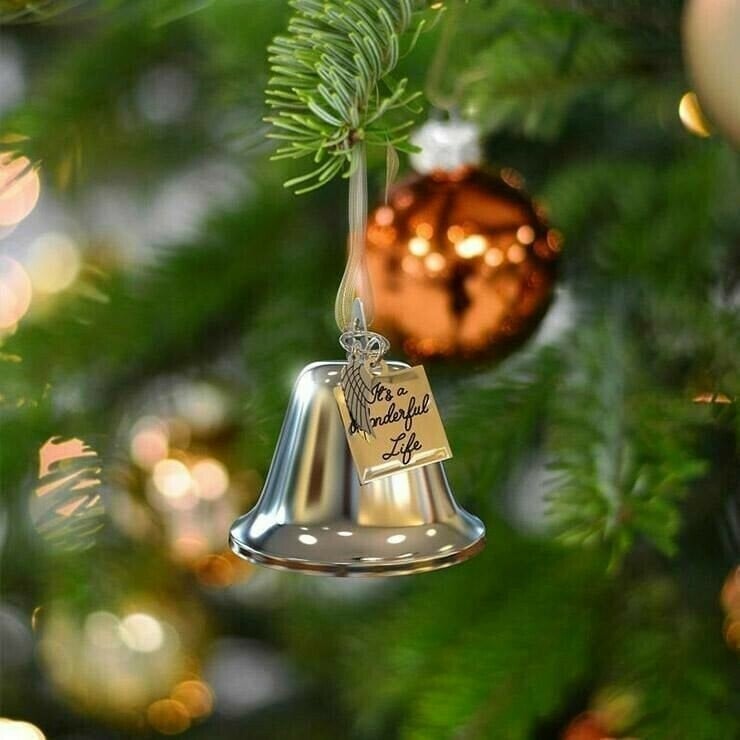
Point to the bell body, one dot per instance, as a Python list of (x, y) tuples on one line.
[(315, 516)]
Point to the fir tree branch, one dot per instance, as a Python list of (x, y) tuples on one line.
[(621, 458), (672, 662), (504, 412), (465, 667), (331, 84), (144, 325), (526, 67), (34, 11)]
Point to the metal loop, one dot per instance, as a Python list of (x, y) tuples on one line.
[(369, 344), (359, 341)]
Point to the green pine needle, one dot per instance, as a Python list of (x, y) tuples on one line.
[(330, 86)]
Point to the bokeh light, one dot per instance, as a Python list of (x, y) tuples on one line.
[(150, 440), (102, 629), (169, 395), (12, 73), (211, 479), (168, 716), (203, 405), (142, 632), (18, 730), (15, 292), (164, 94), (471, 246), (525, 234), (712, 397), (19, 188), (172, 478), (53, 263), (418, 246), (246, 675), (195, 696), (115, 663), (181, 429)]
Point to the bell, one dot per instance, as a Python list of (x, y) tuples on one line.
[(315, 516)]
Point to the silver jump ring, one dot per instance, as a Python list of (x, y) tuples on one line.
[(368, 343)]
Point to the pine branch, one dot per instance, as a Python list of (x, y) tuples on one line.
[(289, 328), (45, 11), (621, 458), (503, 412), (34, 11), (74, 125), (483, 687), (331, 84), (643, 224), (467, 667), (112, 331), (663, 15), (674, 665), (114, 325), (531, 68), (84, 119)]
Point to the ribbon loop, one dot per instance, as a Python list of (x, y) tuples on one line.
[(355, 281)]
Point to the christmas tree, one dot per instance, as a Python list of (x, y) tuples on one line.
[(160, 287)]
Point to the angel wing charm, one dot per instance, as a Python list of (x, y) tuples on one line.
[(357, 385)]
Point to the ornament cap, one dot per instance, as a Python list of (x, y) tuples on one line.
[(446, 145)]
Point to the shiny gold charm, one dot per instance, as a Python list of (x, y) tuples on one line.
[(405, 429)]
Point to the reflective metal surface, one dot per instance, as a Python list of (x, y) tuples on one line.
[(315, 516)]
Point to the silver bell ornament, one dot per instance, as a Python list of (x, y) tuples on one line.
[(356, 486), (315, 515)]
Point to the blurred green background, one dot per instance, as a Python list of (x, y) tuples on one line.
[(160, 290)]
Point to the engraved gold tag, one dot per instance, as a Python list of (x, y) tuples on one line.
[(405, 427)]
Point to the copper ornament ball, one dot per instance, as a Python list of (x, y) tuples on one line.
[(587, 726), (462, 264)]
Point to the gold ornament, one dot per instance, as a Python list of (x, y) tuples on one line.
[(692, 116), (66, 506), (711, 30), (462, 263), (132, 664)]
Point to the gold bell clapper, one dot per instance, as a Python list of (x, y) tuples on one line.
[(356, 486)]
